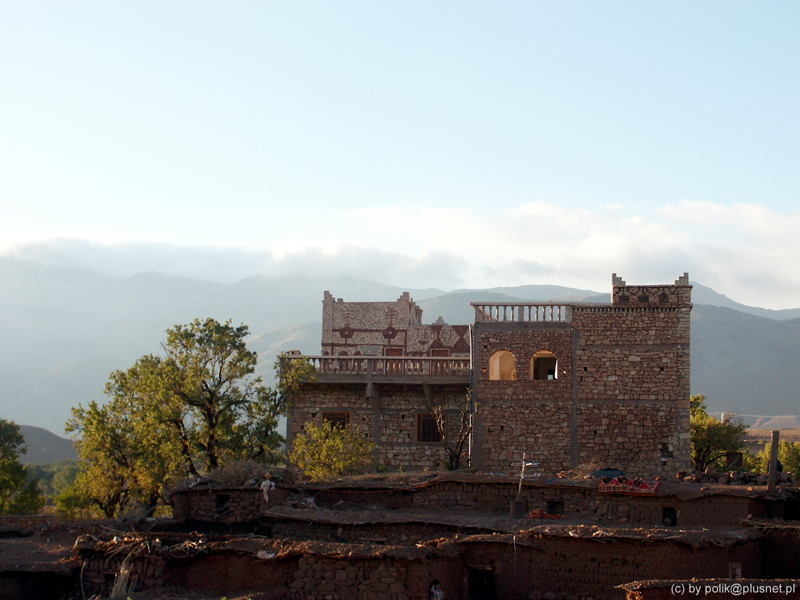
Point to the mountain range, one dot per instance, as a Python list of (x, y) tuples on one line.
[(65, 329)]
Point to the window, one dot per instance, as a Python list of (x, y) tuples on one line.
[(502, 366), (544, 366), (221, 503), (427, 432), (337, 419)]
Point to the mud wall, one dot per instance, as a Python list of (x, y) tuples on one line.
[(573, 501), (524, 568), (586, 504), (565, 567), (222, 505)]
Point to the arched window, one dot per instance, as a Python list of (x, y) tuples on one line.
[(544, 366), (503, 366)]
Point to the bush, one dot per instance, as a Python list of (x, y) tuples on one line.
[(788, 454), (331, 451)]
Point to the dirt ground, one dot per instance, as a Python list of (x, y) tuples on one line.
[(40, 551)]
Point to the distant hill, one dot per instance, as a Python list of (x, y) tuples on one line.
[(744, 363), (705, 295), (64, 330), (45, 447)]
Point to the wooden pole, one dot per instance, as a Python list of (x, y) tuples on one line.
[(773, 462)]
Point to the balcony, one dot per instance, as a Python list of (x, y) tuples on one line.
[(389, 369), (522, 312)]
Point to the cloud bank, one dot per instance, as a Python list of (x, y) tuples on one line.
[(747, 252)]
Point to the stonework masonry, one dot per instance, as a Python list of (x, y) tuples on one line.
[(565, 384)]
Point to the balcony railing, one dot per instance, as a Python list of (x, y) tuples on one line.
[(368, 367), (546, 312)]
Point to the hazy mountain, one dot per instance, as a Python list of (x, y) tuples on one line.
[(65, 329), (705, 295), (455, 307), (45, 447), (744, 363)]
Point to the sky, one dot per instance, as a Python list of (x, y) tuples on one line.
[(420, 144)]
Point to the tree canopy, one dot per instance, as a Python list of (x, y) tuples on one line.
[(189, 411), (712, 438), (17, 494)]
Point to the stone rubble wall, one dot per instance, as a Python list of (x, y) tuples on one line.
[(368, 328), (539, 430), (573, 499), (643, 440), (525, 568), (621, 396), (223, 505), (396, 413), (575, 568)]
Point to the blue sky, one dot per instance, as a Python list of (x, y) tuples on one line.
[(427, 143)]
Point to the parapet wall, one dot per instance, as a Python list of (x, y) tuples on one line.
[(685, 504)]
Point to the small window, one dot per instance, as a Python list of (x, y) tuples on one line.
[(221, 503), (502, 366), (337, 419), (544, 366), (427, 431)]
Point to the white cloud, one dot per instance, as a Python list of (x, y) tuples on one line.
[(745, 251)]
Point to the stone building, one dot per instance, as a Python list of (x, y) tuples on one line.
[(565, 384)]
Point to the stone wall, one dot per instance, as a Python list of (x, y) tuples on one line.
[(222, 504), (389, 417), (370, 328), (559, 568), (522, 567), (688, 507), (583, 503), (621, 393)]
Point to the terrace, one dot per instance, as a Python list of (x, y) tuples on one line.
[(389, 369)]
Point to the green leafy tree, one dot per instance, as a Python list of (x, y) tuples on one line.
[(18, 495), (331, 451), (292, 372), (712, 438), (189, 411), (53, 478), (788, 454), (73, 503)]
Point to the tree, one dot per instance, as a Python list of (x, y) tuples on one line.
[(126, 456), (17, 494), (292, 372), (331, 450), (788, 454), (208, 382), (454, 446), (184, 413), (712, 438)]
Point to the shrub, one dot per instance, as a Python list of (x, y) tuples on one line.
[(331, 451)]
